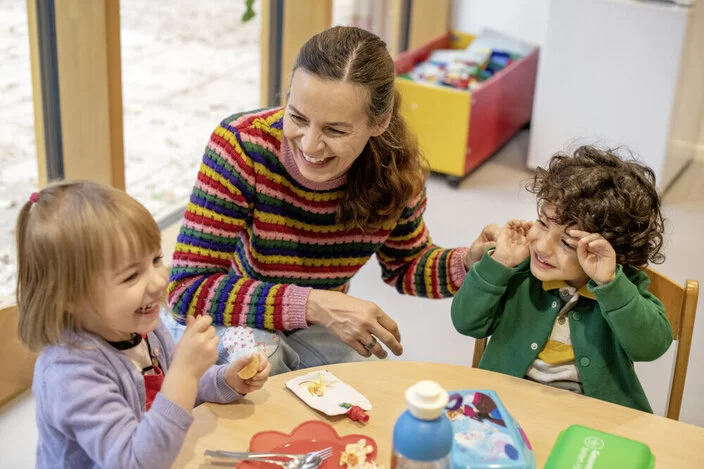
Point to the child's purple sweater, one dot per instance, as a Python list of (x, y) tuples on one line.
[(90, 407)]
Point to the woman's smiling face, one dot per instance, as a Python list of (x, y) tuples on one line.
[(326, 125)]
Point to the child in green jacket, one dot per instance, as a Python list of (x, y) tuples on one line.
[(564, 298)]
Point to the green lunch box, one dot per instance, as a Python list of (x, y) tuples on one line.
[(580, 447)]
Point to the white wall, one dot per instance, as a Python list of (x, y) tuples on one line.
[(589, 66), (523, 19)]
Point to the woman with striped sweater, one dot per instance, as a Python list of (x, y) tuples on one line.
[(290, 203)]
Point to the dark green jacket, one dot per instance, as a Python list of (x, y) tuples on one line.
[(626, 323)]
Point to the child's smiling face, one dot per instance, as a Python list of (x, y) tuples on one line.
[(553, 254), (131, 296)]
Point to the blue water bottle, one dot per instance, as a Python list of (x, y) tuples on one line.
[(423, 434)]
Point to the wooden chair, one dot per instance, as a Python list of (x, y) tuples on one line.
[(16, 361), (680, 303)]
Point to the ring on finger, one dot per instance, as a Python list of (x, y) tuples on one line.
[(369, 346)]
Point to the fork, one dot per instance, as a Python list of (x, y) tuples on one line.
[(282, 464), (295, 461)]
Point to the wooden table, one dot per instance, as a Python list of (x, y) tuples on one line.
[(542, 411)]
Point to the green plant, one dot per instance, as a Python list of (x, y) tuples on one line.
[(249, 12)]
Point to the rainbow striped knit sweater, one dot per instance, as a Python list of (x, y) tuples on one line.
[(257, 236)]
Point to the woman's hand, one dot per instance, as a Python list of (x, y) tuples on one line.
[(245, 386), (596, 256), (485, 241), (512, 243), (355, 322)]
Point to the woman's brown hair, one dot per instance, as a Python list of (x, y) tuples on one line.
[(66, 237), (390, 172), (600, 192)]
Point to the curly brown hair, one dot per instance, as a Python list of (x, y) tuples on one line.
[(390, 171), (600, 192)]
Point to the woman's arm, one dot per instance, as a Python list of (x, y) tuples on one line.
[(218, 213), (413, 264)]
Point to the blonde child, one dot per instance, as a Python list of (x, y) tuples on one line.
[(564, 298), (111, 388)]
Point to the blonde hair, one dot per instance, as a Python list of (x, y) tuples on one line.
[(66, 238)]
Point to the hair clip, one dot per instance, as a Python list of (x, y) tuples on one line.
[(34, 198)]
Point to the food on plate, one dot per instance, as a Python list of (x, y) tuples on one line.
[(355, 456)]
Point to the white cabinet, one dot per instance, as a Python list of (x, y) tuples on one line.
[(621, 72)]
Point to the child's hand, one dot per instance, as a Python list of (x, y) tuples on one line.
[(512, 243), (485, 241), (198, 348), (245, 386), (596, 256)]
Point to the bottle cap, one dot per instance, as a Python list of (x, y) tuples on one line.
[(426, 400)]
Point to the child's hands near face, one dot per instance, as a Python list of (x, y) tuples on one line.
[(596, 256), (198, 348), (245, 386), (512, 243), (485, 241)]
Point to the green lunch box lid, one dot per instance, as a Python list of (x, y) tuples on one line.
[(580, 447)]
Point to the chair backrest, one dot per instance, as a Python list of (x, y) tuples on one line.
[(680, 303), (16, 361)]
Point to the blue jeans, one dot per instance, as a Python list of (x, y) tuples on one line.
[(287, 351)]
